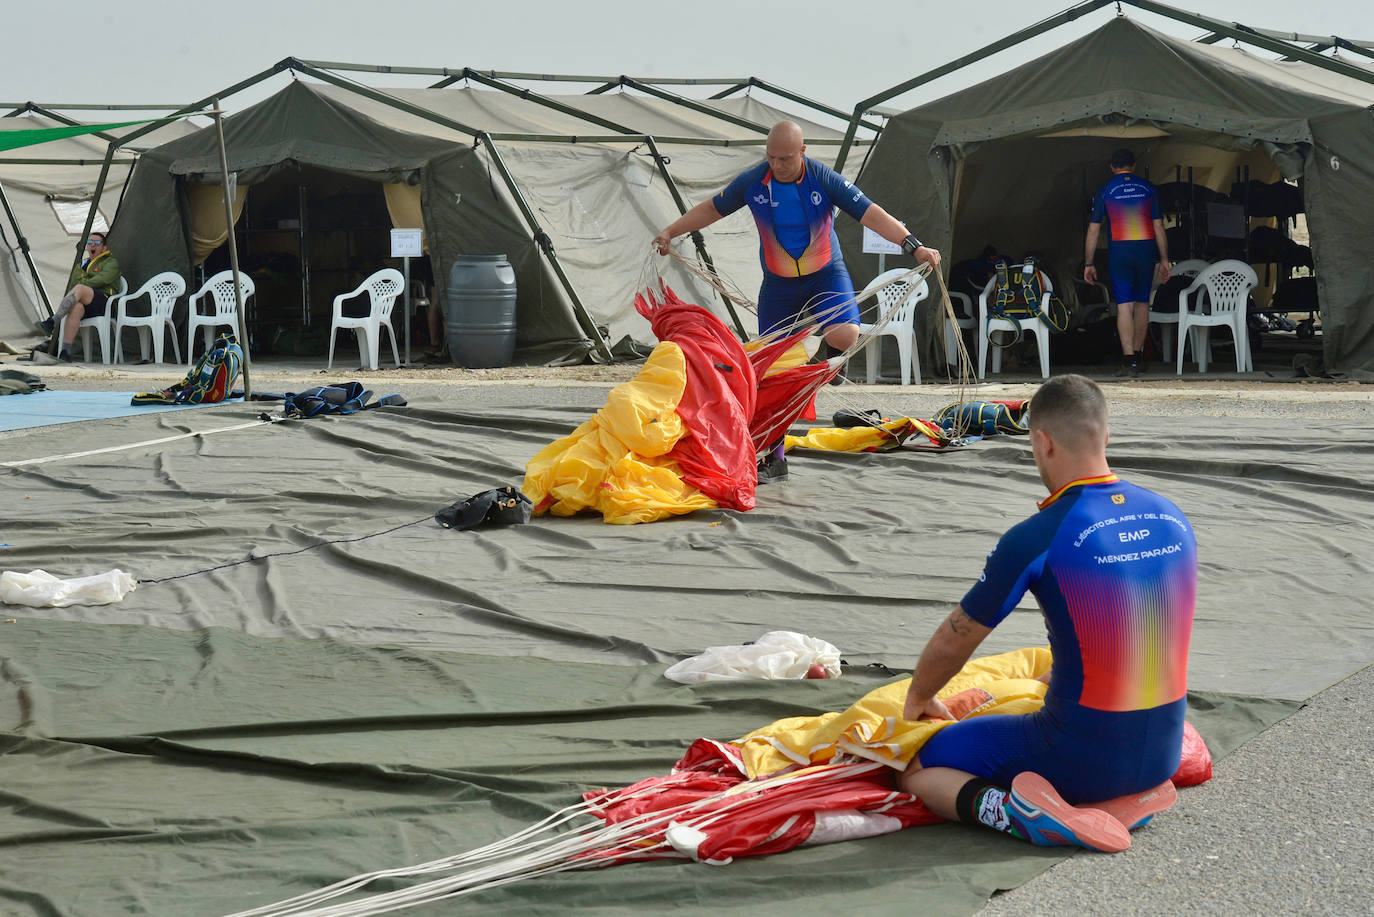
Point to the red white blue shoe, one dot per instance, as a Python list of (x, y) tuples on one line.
[(1048, 821), (1136, 810)]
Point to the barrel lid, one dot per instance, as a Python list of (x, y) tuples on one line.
[(483, 257)]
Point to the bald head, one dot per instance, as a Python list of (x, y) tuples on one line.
[(786, 132), (786, 149)]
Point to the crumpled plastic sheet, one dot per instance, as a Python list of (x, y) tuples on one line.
[(40, 589), (777, 654)]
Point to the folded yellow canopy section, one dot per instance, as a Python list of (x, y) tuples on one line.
[(867, 438), (873, 727), (617, 462)]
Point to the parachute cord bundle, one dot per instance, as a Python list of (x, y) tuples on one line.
[(543, 850), (962, 373)]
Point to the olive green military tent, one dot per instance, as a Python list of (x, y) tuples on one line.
[(1013, 161), (547, 181), (46, 190)]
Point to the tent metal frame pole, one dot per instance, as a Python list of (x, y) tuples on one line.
[(791, 96), (9, 161), (1251, 36), (1325, 41), (54, 345), (147, 129), (625, 138), (731, 90), (428, 115), (988, 50), (648, 140), (693, 104), (233, 253), (38, 109), (496, 79), (697, 239), (21, 107), (457, 73), (541, 239), (23, 243), (1217, 30), (547, 102), (198, 107), (578, 78), (377, 95)]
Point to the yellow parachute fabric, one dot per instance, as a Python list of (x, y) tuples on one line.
[(866, 438), (616, 463), (793, 356), (873, 727)]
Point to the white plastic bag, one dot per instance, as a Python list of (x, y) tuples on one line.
[(777, 654), (39, 589)]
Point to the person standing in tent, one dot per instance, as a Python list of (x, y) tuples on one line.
[(88, 289), (793, 199), (1114, 569), (1136, 244)]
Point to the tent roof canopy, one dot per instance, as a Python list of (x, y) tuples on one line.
[(1281, 43)]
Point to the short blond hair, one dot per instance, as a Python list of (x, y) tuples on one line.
[(1072, 409)]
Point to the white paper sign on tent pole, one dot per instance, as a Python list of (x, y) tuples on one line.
[(407, 244), (875, 244)]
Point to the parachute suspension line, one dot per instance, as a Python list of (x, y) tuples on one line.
[(819, 311), (960, 372), (820, 308), (533, 852), (712, 278)]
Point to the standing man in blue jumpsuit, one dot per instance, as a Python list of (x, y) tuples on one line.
[(1114, 569), (793, 199), (1136, 227)]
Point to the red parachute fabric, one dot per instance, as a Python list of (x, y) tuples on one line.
[(1196, 764), (726, 818), (718, 458), (732, 410), (779, 815)]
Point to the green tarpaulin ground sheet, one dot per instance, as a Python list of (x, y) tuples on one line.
[(314, 680), (200, 773)]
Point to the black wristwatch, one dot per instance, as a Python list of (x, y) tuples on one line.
[(910, 244)]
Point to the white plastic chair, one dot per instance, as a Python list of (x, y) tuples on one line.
[(220, 289), (382, 289), (102, 325), (1169, 320), (955, 330), (1228, 285), (902, 325), (988, 324), (162, 292)]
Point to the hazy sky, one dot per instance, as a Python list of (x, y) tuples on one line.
[(148, 51)]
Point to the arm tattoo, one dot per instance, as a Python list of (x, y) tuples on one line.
[(959, 622)]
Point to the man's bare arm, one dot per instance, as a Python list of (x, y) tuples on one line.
[(699, 217), (1090, 251), (1162, 240), (945, 654)]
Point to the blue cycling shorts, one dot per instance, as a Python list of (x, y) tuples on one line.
[(827, 295), (1098, 756), (1132, 267)]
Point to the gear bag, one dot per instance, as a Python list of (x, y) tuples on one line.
[(1020, 294), (984, 418), (210, 381), (343, 398)]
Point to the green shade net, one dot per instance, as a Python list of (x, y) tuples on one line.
[(13, 140)]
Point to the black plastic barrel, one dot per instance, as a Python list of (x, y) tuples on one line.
[(479, 305)]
